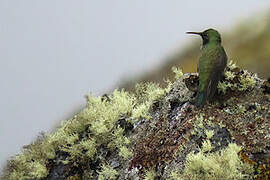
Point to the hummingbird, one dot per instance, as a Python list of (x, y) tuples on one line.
[(211, 65)]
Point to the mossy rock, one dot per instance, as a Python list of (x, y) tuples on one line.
[(157, 133)]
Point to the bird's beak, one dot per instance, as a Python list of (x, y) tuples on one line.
[(198, 33)]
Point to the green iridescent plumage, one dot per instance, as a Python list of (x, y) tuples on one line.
[(212, 63)]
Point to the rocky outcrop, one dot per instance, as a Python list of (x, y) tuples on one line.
[(156, 133)]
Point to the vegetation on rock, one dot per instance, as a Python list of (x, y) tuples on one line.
[(156, 132)]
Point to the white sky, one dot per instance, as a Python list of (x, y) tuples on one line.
[(54, 52)]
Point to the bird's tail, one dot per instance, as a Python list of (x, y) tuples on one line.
[(201, 99)]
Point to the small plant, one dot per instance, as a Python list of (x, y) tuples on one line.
[(150, 175), (178, 73), (125, 152), (224, 163), (107, 173), (236, 80)]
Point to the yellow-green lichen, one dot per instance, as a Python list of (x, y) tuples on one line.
[(118, 139), (83, 149), (178, 73), (38, 170), (199, 121), (125, 152), (206, 146), (147, 94), (175, 175), (150, 175), (209, 134), (141, 110), (31, 163), (218, 165), (247, 81), (231, 65), (229, 75), (102, 114), (97, 122), (236, 81), (27, 168), (107, 173), (241, 109), (169, 85)]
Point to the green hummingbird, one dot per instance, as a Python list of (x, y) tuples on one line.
[(212, 62)]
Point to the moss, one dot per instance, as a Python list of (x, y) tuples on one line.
[(75, 177), (98, 119), (125, 152), (102, 115), (241, 109), (229, 75), (83, 149), (118, 139), (141, 111), (231, 65), (31, 163), (150, 175), (27, 168), (199, 121), (206, 146), (169, 86), (247, 81), (209, 134), (147, 94), (175, 175), (80, 136), (225, 163), (38, 170), (90, 147), (223, 86), (236, 109), (178, 73), (107, 172), (236, 80), (85, 142)]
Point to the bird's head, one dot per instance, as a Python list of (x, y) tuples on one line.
[(209, 35)]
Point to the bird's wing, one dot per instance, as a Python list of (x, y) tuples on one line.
[(217, 72), (207, 63)]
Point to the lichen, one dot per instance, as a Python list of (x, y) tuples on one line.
[(175, 175), (118, 139), (152, 128), (107, 172), (206, 146), (27, 169), (209, 134), (178, 73), (247, 81), (150, 175), (225, 163), (147, 94), (231, 65), (80, 136), (125, 152), (236, 80)]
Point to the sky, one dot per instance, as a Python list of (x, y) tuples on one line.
[(54, 52)]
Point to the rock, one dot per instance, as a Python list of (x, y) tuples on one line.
[(165, 145)]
